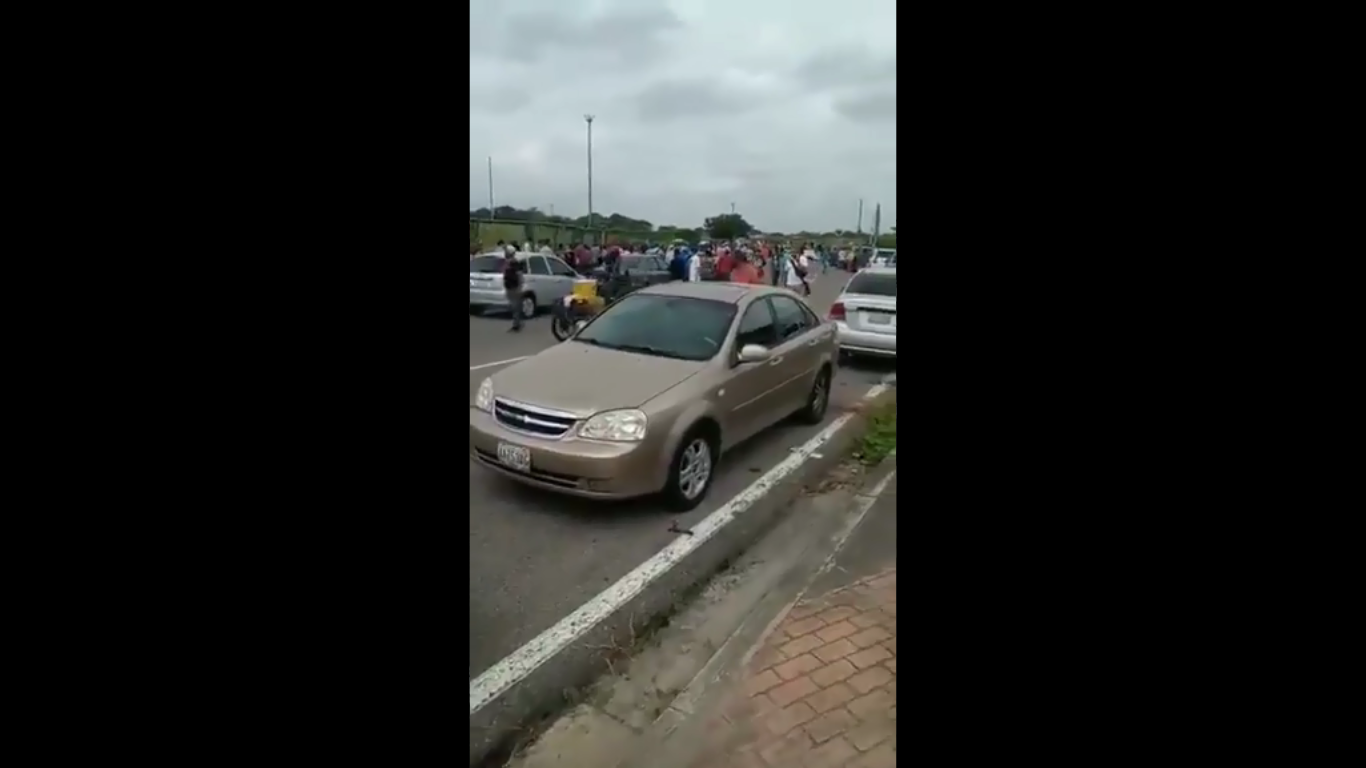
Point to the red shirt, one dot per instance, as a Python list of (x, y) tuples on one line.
[(724, 265), (744, 272)]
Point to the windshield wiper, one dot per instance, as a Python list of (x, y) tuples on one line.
[(644, 349), (648, 350)]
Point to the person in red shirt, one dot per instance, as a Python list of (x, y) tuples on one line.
[(745, 272), (724, 264), (583, 258)]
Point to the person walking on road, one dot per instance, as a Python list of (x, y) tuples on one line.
[(795, 274), (512, 285)]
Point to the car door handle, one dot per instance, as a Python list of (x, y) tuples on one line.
[(815, 341), (775, 360)]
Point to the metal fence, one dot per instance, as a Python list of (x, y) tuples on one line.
[(487, 232)]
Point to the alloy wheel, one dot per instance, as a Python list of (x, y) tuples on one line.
[(694, 469)]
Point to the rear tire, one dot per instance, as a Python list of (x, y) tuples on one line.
[(476, 310), (818, 400), (692, 470), (528, 306)]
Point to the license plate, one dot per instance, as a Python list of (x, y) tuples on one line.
[(515, 456), (878, 318)]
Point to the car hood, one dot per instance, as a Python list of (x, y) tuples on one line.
[(583, 379)]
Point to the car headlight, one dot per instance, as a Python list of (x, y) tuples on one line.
[(484, 399), (622, 426)]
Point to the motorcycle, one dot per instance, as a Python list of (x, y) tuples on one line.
[(568, 313), (591, 295)]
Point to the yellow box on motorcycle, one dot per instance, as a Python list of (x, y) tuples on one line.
[(585, 288)]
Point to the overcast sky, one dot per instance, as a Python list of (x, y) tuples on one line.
[(787, 109)]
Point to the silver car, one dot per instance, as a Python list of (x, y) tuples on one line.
[(865, 313), (546, 279)]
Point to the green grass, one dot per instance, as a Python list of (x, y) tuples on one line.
[(880, 439)]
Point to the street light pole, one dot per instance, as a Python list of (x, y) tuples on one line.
[(490, 188), (732, 209), (589, 119)]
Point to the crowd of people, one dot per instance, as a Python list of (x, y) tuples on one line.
[(738, 261)]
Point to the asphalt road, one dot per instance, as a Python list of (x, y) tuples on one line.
[(536, 556)]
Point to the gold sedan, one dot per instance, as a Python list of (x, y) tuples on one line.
[(648, 395)]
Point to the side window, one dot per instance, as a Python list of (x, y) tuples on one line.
[(656, 264), (792, 319), (535, 265), (560, 268), (812, 320), (756, 327)]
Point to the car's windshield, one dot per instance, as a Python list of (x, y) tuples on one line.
[(666, 326), (486, 264), (873, 284)]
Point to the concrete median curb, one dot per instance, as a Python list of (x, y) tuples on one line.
[(509, 701)]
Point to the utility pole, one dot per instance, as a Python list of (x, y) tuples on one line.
[(490, 188), (732, 209), (860, 217), (589, 119)]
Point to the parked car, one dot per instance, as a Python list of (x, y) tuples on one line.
[(642, 270), (649, 394), (865, 313), (546, 280), (884, 257)]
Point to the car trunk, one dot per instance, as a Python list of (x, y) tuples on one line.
[(866, 312)]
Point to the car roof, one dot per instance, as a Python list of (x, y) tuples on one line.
[(731, 293)]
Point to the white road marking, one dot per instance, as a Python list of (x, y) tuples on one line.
[(497, 363), (515, 668)]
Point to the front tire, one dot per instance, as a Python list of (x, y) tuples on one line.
[(692, 470), (528, 306), (562, 326)]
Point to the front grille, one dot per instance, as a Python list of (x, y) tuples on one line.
[(531, 420)]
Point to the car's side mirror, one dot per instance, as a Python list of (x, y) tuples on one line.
[(753, 353)]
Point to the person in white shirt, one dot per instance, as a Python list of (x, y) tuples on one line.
[(794, 274), (694, 267)]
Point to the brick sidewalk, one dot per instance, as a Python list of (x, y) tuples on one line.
[(821, 691)]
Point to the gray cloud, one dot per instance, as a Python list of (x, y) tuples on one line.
[(680, 99), (878, 106), (794, 108), (499, 101), (535, 35), (832, 69)]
